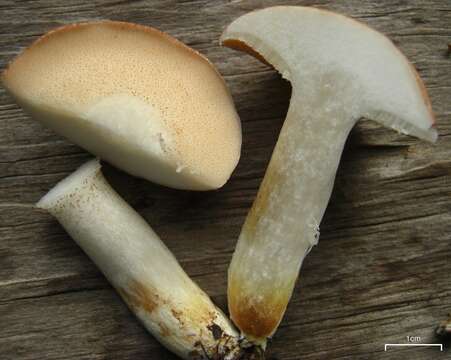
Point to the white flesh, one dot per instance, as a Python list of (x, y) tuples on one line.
[(340, 70), (141, 268)]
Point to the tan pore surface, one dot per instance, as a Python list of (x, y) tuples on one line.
[(78, 65)]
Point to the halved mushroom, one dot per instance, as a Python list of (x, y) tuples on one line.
[(134, 96), (340, 71)]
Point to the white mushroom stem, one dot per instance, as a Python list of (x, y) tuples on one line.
[(141, 268), (340, 71), (283, 224)]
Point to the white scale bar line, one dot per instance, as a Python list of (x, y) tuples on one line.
[(399, 345)]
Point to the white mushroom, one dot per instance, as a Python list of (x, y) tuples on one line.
[(142, 269), (134, 96), (340, 71)]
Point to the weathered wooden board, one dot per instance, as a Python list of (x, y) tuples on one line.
[(380, 272)]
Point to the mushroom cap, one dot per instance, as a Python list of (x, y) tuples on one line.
[(304, 42), (135, 97)]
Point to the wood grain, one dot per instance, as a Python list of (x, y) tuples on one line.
[(380, 272)]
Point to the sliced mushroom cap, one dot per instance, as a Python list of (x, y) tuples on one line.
[(134, 96), (311, 47)]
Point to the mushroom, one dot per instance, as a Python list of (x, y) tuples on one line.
[(340, 71), (134, 96), (142, 269)]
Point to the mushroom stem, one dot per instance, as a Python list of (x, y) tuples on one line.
[(283, 224), (141, 268)]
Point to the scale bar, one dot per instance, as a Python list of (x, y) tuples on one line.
[(405, 345)]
